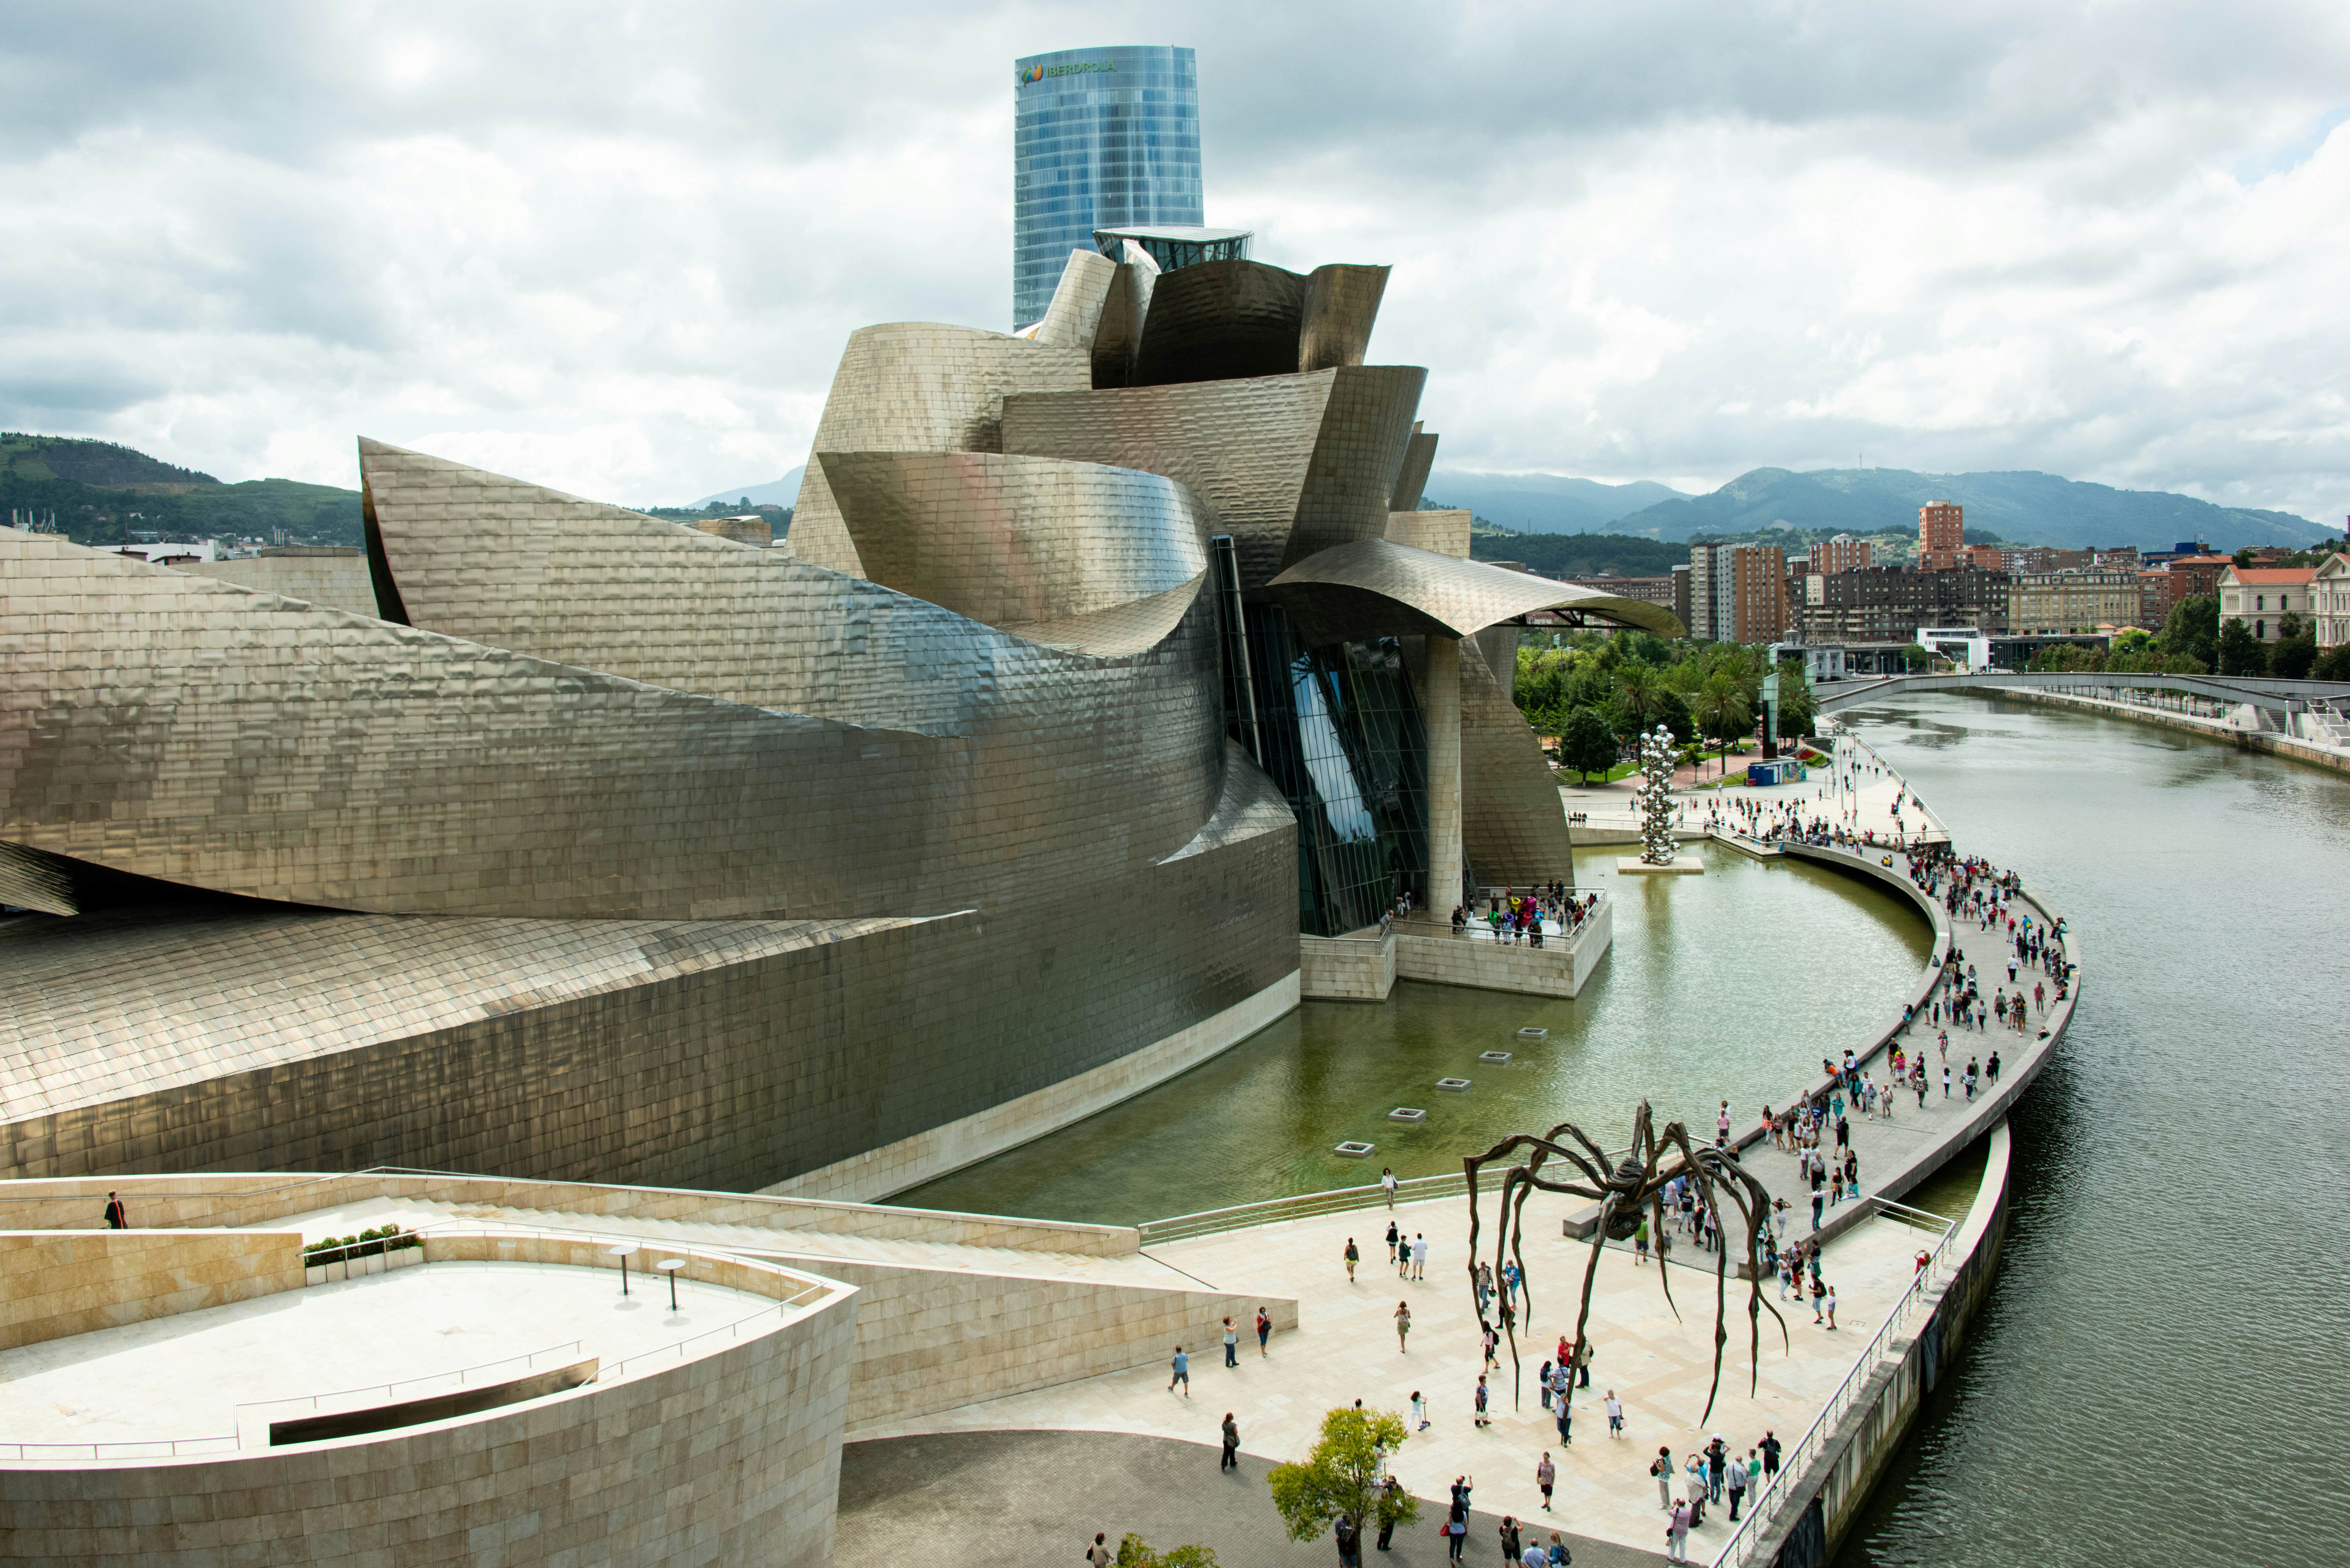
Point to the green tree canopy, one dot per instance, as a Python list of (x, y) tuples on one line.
[(1586, 744), (1339, 1477), (1136, 1552), (2292, 658), (2193, 629), (1722, 709), (1798, 707), (2240, 653)]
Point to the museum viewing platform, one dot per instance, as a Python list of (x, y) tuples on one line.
[(1363, 966)]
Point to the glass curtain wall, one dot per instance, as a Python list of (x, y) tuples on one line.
[(1342, 736), (1101, 138)]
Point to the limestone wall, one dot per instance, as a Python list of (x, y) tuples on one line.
[(57, 1284), (730, 1458), (1346, 968), (1558, 968), (931, 1339)]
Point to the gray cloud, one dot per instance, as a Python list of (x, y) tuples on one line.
[(616, 247)]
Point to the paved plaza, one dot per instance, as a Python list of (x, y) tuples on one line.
[(1010, 1500), (1345, 1350)]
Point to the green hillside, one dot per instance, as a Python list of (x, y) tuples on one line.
[(100, 494), (2025, 508), (1579, 555)]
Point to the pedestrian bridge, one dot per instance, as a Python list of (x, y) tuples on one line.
[(2277, 696)]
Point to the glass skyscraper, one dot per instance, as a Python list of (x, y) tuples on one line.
[(1101, 138)]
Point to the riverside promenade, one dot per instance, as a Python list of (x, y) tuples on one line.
[(1816, 1389)]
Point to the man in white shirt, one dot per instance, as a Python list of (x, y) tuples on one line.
[(1420, 1256)]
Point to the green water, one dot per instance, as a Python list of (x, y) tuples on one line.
[(1730, 985)]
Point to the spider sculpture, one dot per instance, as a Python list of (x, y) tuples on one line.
[(1628, 1190)]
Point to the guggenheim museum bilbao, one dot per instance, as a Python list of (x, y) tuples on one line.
[(1102, 662)]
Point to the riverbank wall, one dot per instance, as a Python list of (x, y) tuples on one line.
[(2210, 729), (1835, 1484)]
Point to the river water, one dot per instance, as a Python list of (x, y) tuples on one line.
[(2162, 1371)]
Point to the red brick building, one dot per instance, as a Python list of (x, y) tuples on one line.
[(1942, 534)]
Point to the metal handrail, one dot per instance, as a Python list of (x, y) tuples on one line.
[(392, 1390), (150, 1449), (1744, 1541), (1266, 1211)]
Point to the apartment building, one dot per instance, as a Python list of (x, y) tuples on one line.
[(1879, 603), (2080, 599), (1737, 593)]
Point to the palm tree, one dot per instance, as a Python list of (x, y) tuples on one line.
[(1638, 695), (1720, 705)]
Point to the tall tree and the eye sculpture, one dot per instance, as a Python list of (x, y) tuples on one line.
[(1628, 1190)]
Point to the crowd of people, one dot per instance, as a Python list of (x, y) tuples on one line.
[(1515, 917)]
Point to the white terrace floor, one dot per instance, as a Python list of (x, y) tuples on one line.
[(183, 1377), (1345, 1349)]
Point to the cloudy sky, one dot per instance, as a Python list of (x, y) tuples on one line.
[(615, 248)]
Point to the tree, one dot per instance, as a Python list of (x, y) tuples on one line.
[(1639, 696), (1798, 710), (1673, 713), (1722, 712), (1915, 658), (1136, 1552), (2193, 629), (1339, 1477), (2292, 658), (2243, 559), (2334, 664), (1586, 744), (2240, 653)]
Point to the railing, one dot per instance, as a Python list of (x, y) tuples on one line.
[(639, 1361), (1747, 1538), (1338, 1201), (390, 1393), (153, 1449)]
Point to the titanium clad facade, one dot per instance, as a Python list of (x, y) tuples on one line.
[(1101, 138)]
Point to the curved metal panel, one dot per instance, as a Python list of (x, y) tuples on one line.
[(1009, 539), (1411, 479), (1342, 306), (496, 561), (1275, 458), (1375, 587), (920, 386), (202, 734), (1218, 321), (1445, 533), (1130, 627), (1074, 317), (1513, 823)]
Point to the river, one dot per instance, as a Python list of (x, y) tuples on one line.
[(2161, 1373)]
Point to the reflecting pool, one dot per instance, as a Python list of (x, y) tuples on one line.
[(1730, 985)]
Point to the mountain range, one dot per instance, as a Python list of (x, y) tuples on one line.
[(1543, 502), (2023, 508), (784, 491)]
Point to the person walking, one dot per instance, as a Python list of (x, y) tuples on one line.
[(1387, 1184), (1393, 1237), (1232, 1344), (1483, 1419), (1390, 1504), (1419, 1255), (1353, 1257), (1770, 1446), (1545, 1478), (1182, 1364), (1231, 1444), (117, 1217), (1513, 1549), (1615, 1409), (1403, 1327), (1100, 1554), (1736, 1483), (1264, 1330), (1541, 1383), (1827, 1301)]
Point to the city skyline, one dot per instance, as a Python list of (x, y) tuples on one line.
[(1924, 242)]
